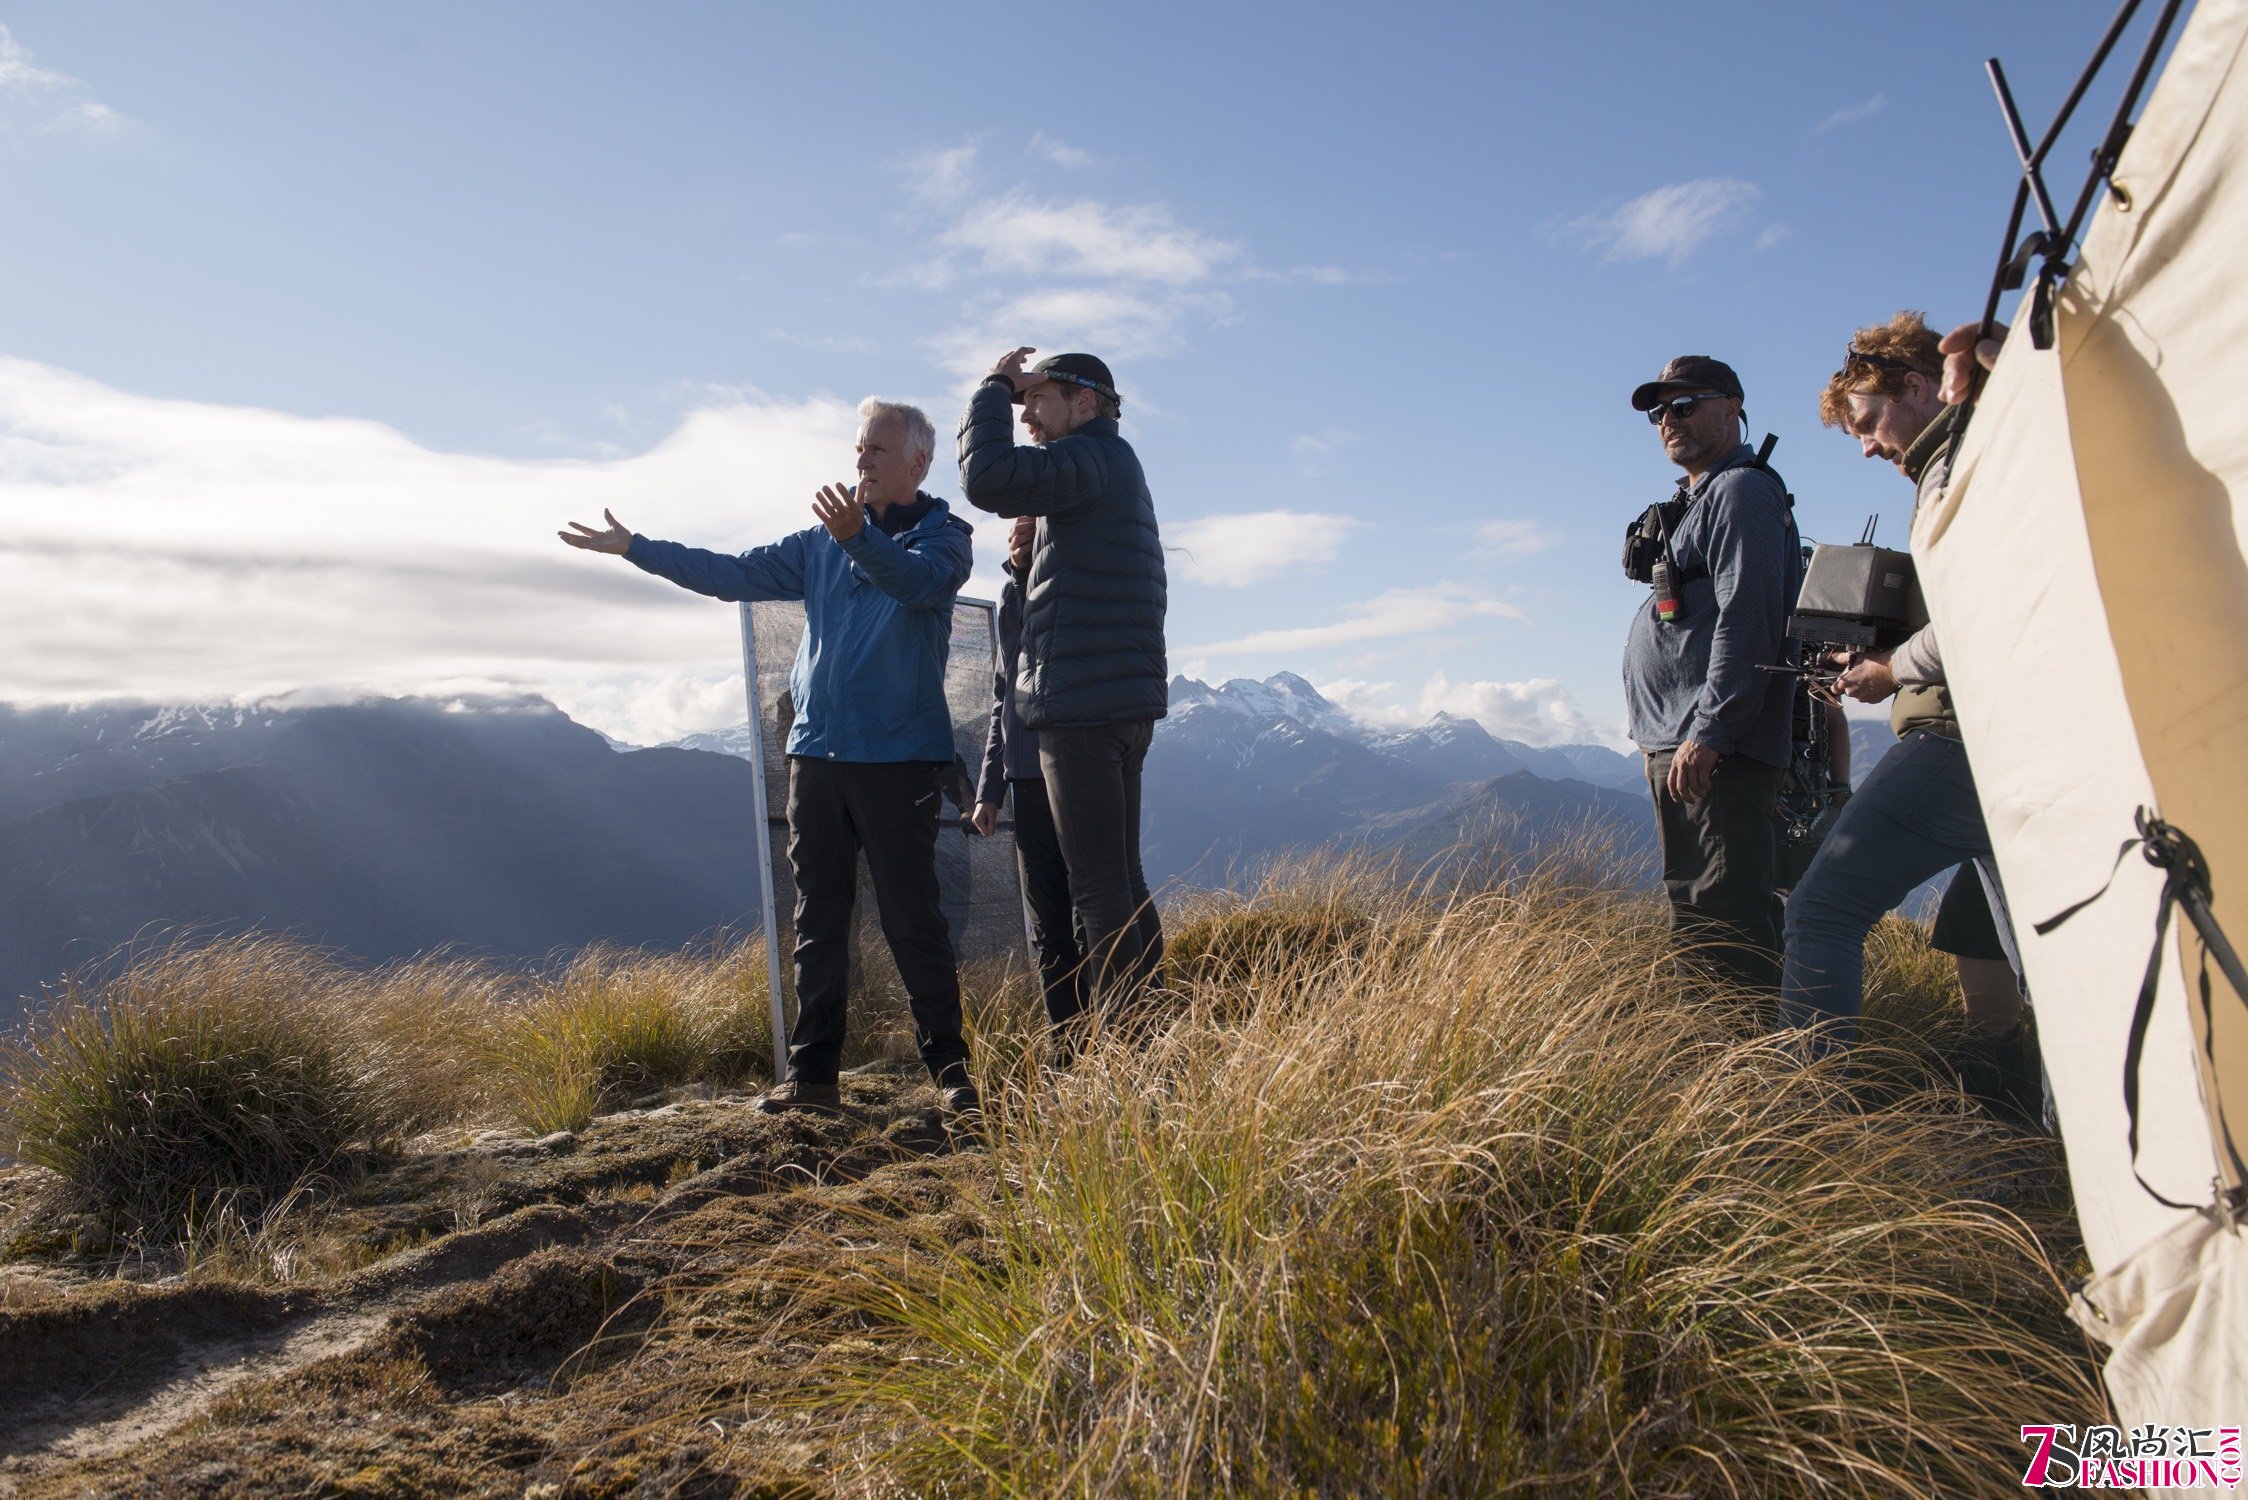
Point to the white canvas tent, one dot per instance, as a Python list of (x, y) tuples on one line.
[(2088, 570)]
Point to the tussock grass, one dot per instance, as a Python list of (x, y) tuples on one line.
[(207, 1097), (1912, 1004), (615, 1023), (1472, 1197), (205, 1082), (1223, 943)]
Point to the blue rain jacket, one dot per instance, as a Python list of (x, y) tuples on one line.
[(868, 682)]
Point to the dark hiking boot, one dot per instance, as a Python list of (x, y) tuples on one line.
[(961, 1099), (797, 1094)]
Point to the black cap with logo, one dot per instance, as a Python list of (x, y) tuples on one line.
[(1075, 369), (1688, 372)]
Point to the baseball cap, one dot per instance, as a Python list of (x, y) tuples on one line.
[(1075, 369), (1688, 372)]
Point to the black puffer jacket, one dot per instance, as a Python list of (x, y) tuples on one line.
[(1093, 605)]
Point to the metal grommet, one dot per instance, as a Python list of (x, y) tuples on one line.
[(2122, 196)]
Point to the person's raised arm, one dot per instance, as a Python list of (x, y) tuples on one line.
[(770, 572), (1011, 479), (924, 571)]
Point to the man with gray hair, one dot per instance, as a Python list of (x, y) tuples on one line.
[(872, 737)]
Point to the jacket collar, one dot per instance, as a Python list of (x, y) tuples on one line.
[(1932, 440), (900, 519)]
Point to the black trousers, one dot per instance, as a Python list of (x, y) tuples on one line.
[(1093, 791), (1720, 863), (1053, 921), (888, 811)]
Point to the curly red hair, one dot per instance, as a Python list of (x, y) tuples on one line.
[(1880, 360)]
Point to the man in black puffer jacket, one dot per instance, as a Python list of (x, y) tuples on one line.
[(1092, 679)]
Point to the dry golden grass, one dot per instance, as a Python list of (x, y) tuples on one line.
[(1468, 1197), (615, 1023), (205, 1082), (209, 1095), (1410, 1191)]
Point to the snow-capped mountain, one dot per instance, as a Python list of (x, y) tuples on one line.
[(1448, 747), (1245, 770), (734, 740), (1283, 695)]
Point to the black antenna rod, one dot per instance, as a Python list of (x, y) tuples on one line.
[(2007, 274), (2084, 79), (1998, 283), (2031, 175), (2119, 129)]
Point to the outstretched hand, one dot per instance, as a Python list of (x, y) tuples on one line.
[(613, 539), (1963, 350), (837, 506), (1011, 367)]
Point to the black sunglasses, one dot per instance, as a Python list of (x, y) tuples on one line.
[(1680, 407), (1856, 356)]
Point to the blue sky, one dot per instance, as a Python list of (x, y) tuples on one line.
[(316, 321)]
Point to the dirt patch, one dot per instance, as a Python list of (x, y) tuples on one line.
[(553, 1325)]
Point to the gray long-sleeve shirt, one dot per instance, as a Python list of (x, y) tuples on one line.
[(1699, 677), (1919, 662)]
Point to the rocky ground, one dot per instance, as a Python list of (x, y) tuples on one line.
[(487, 1315)]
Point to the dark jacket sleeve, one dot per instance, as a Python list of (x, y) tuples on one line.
[(1012, 479), (991, 782), (1748, 570), (924, 572), (770, 572)]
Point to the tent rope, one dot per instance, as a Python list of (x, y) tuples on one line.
[(2185, 886)]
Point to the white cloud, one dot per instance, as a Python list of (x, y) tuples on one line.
[(1538, 711), (1311, 450), (45, 101), (1386, 616), (1310, 275), (1020, 234), (1055, 272), (1060, 153), (1372, 703), (1512, 538), (89, 116), (943, 175), (19, 75), (174, 550), (1771, 235), (1852, 115), (1122, 322), (1669, 223), (1238, 550)]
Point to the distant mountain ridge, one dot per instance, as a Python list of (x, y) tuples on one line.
[(388, 827), (1246, 771), (385, 828)]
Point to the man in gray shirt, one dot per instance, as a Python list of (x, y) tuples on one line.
[(1714, 726)]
